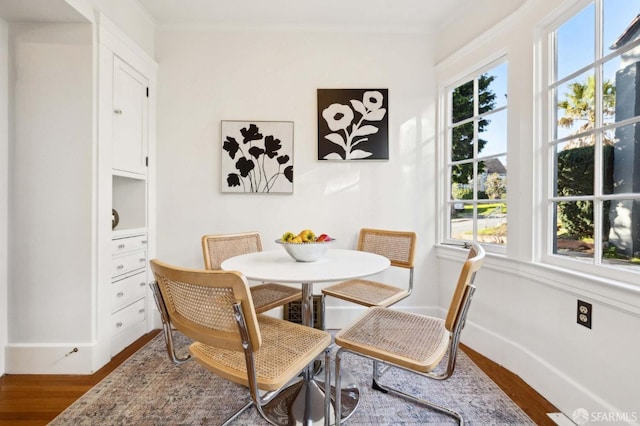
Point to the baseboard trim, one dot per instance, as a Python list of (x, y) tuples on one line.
[(59, 358)]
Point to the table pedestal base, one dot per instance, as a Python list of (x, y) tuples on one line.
[(303, 404)]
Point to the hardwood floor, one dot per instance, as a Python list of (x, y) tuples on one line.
[(27, 400), (33, 399), (530, 401)]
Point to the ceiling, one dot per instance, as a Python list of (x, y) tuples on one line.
[(374, 15), (39, 11)]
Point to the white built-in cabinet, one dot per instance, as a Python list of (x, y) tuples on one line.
[(127, 115), (130, 240), (82, 138)]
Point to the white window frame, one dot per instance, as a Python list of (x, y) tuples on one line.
[(544, 122), (444, 125)]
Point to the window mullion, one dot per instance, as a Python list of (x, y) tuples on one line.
[(598, 139)]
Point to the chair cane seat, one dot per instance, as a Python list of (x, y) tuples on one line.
[(410, 340), (286, 349), (271, 295), (365, 292)]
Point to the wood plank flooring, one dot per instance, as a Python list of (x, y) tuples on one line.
[(30, 400)]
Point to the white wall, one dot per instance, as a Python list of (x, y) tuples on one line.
[(208, 76), (52, 183), (524, 315), (4, 184)]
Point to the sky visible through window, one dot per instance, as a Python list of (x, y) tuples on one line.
[(496, 132), (576, 40)]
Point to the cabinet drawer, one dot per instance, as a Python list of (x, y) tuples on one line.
[(128, 290), (128, 263), (123, 245), (129, 316)]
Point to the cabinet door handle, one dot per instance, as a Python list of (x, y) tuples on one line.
[(117, 111), (141, 311), (119, 324), (143, 259), (120, 294), (119, 267), (142, 284), (143, 242), (121, 246)]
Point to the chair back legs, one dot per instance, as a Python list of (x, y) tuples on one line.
[(166, 326)]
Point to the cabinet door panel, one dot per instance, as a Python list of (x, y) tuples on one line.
[(130, 118)]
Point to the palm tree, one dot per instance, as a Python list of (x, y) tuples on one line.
[(579, 105)]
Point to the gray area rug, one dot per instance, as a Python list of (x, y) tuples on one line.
[(147, 389)]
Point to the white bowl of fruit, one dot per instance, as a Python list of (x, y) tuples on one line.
[(306, 246)]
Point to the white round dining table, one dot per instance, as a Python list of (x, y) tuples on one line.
[(307, 406), (277, 265)]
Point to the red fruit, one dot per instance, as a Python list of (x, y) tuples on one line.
[(322, 237)]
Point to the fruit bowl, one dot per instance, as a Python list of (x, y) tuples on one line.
[(306, 252)]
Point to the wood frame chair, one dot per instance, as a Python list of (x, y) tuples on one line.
[(412, 342), (215, 310), (399, 248), (218, 248)]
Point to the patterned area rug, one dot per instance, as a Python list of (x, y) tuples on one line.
[(148, 389)]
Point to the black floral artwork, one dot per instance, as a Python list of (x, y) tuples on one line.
[(257, 156), (353, 124)]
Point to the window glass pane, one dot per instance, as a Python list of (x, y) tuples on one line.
[(462, 221), (492, 182), (621, 87), (462, 187), (620, 232), (576, 42), (574, 224), (497, 88), (576, 106), (621, 161), (574, 169), (492, 134), (477, 157), (462, 142), (492, 223), (462, 102), (619, 16)]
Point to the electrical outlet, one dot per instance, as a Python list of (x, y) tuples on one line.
[(584, 313)]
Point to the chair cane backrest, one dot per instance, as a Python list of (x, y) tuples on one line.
[(397, 246), (201, 303), (465, 281), (218, 248)]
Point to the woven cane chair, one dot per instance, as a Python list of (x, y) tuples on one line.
[(412, 342), (266, 296), (399, 248), (215, 310)]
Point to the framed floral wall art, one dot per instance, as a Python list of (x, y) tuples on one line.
[(353, 124), (257, 156)]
